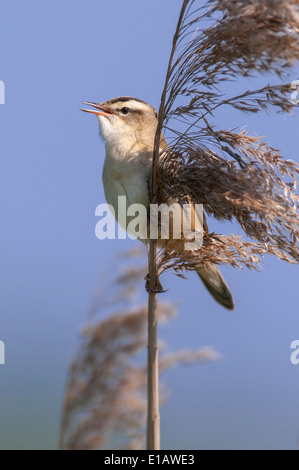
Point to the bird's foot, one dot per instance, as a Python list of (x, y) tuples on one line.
[(153, 285)]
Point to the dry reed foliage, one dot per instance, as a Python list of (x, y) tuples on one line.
[(235, 176), (105, 400)]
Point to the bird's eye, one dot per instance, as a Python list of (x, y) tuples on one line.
[(124, 110)]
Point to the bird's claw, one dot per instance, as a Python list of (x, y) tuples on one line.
[(153, 286)]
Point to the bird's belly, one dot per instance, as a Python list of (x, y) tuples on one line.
[(129, 197)]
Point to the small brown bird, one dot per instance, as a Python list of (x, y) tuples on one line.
[(128, 126)]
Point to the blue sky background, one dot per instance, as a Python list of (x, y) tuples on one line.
[(53, 56)]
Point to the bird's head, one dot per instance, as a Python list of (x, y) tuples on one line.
[(126, 122)]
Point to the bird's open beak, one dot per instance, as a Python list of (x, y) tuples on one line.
[(100, 110)]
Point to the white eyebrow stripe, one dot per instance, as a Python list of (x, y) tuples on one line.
[(134, 105), (137, 105)]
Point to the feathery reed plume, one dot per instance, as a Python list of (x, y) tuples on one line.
[(235, 176), (105, 399)]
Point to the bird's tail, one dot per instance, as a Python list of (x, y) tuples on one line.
[(216, 285)]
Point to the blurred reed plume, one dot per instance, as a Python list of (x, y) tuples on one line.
[(234, 175), (105, 400)]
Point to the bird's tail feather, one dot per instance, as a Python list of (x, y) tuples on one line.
[(216, 285)]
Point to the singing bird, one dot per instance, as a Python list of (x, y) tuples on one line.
[(128, 126)]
